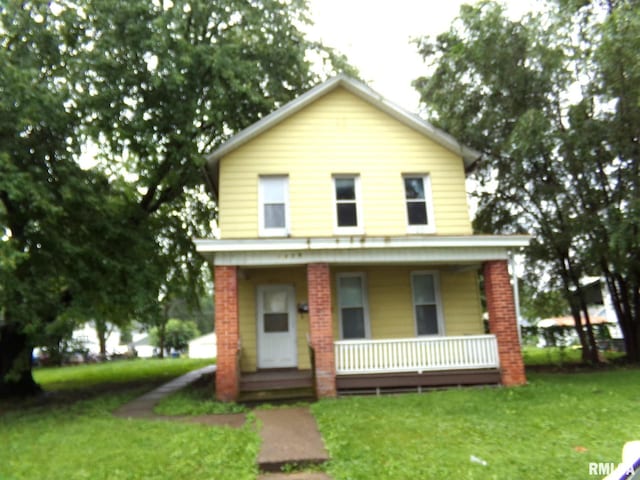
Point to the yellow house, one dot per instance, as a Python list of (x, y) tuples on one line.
[(346, 259)]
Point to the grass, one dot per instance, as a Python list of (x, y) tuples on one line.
[(196, 399), (552, 428), (115, 372), (560, 357), (84, 441), (79, 438)]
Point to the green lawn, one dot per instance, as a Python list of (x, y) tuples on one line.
[(120, 371), (198, 399), (560, 357), (552, 428), (66, 436), (84, 441)]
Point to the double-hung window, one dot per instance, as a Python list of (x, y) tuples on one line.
[(348, 214), (417, 192), (352, 300), (273, 208), (426, 303)]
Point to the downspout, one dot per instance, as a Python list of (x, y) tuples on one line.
[(516, 293)]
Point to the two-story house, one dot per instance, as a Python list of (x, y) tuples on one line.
[(346, 253)]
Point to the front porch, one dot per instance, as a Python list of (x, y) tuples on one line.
[(357, 325), (375, 366)]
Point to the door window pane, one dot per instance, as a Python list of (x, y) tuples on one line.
[(353, 323), (276, 322), (275, 301)]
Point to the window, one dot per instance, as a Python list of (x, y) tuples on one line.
[(426, 304), (417, 191), (273, 213), (347, 196), (354, 322)]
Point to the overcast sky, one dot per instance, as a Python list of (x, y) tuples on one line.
[(375, 35)]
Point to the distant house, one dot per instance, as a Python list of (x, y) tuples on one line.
[(86, 335), (346, 252), (143, 347), (203, 347)]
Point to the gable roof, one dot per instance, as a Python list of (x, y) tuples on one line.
[(359, 89)]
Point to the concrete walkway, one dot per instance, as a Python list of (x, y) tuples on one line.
[(289, 435)]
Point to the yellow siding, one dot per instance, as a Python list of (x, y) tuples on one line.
[(341, 133), (249, 281), (461, 305)]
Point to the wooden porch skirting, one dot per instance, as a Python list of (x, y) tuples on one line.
[(415, 380)]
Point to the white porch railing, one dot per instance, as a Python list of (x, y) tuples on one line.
[(416, 354)]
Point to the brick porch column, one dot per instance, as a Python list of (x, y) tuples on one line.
[(321, 328), (503, 322), (227, 332)]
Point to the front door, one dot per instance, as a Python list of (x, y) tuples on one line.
[(277, 326)]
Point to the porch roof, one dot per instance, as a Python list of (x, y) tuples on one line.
[(465, 249)]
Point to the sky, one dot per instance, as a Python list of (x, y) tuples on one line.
[(375, 35)]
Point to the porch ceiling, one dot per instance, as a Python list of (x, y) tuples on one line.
[(361, 250)]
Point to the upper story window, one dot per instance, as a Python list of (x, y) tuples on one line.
[(273, 209), (347, 198), (417, 191)]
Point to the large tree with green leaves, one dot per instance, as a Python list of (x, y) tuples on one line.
[(150, 86), (532, 95)]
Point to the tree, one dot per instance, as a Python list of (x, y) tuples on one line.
[(155, 85), (558, 159), (177, 334)]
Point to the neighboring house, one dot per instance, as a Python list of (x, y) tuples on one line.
[(346, 252), (203, 347), (87, 335), (143, 347)]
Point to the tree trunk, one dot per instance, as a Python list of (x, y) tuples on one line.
[(628, 317), (15, 364), (101, 333)]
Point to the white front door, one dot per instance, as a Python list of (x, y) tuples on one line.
[(277, 326)]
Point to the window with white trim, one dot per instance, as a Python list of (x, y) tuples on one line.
[(273, 208), (419, 206), (352, 303), (426, 303), (348, 217)]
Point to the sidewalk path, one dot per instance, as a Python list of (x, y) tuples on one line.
[(289, 435), (142, 407)]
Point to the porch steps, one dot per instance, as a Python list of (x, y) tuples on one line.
[(276, 385)]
